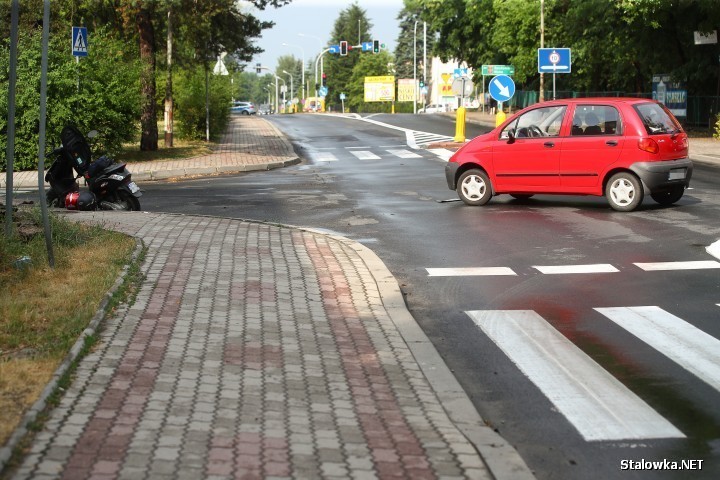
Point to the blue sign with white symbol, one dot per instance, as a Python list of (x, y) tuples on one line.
[(554, 60), (79, 42), (502, 88), (460, 72), (367, 46), (323, 91), (334, 49)]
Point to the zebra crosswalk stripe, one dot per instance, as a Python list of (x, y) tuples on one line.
[(592, 400), (686, 345), (469, 271), (404, 154), (364, 155), (324, 157)]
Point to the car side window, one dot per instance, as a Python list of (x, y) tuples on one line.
[(539, 122), (595, 120)]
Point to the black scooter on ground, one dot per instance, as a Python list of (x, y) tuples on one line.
[(109, 183)]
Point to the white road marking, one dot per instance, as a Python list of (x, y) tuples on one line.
[(563, 269), (404, 154), (443, 153), (596, 403), (364, 155), (702, 264), (691, 348), (324, 157), (468, 271), (714, 249)]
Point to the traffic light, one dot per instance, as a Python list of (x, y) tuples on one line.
[(324, 79), (258, 68), (376, 46), (343, 48)]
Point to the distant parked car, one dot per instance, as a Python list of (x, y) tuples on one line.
[(264, 109), (620, 148), (432, 108), (245, 108)]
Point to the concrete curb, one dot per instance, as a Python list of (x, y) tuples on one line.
[(157, 175), (501, 458), (41, 403)]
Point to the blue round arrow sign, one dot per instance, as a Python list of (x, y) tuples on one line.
[(502, 88)]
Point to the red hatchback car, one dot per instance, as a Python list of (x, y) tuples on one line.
[(622, 148)]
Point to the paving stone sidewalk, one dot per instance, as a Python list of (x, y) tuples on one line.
[(249, 143), (255, 351)]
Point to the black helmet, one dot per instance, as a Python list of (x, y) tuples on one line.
[(86, 201)]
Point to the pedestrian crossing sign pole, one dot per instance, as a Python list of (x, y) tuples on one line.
[(79, 42)]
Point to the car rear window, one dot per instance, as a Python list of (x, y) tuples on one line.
[(657, 119)]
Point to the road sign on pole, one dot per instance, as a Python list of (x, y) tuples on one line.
[(502, 88), (79, 42), (498, 70), (554, 60)]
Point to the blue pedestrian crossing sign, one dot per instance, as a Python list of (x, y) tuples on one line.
[(79, 42), (502, 88)]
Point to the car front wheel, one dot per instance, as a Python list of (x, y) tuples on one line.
[(624, 192), (474, 187)]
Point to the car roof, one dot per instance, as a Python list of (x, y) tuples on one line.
[(628, 100)]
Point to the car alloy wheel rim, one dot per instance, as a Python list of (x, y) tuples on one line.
[(622, 191), (473, 187)]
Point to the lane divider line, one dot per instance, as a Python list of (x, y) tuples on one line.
[(469, 271), (564, 269), (696, 265)]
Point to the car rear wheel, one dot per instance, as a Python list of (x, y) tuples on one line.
[(246, 112), (624, 192), (474, 187), (668, 198)]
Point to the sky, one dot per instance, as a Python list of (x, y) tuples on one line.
[(316, 18)]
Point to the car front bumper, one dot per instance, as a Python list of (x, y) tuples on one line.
[(451, 169), (662, 176)]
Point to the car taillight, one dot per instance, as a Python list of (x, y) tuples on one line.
[(648, 145)]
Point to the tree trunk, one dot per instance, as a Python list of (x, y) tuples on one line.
[(148, 119)]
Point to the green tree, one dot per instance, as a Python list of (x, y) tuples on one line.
[(352, 25), (368, 65), (406, 46)]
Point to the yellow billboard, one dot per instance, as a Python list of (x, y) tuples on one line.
[(380, 89), (406, 90)]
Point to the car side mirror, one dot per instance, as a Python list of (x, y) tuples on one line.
[(511, 137)]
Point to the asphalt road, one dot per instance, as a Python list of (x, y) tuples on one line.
[(361, 180)]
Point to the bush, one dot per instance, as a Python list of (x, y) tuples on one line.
[(716, 134), (189, 96), (100, 92)]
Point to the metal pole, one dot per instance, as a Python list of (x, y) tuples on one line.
[(424, 59), (415, 67), (10, 147), (542, 45), (41, 143)]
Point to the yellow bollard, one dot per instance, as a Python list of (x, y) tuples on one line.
[(460, 125), (500, 117)]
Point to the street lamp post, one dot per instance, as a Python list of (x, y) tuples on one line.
[(316, 61), (285, 85), (542, 45), (292, 87), (303, 67)]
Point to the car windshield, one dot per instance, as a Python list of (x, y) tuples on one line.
[(657, 119)]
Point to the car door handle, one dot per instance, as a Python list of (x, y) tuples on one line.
[(611, 143), (549, 144)]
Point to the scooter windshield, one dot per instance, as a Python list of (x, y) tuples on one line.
[(75, 148)]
